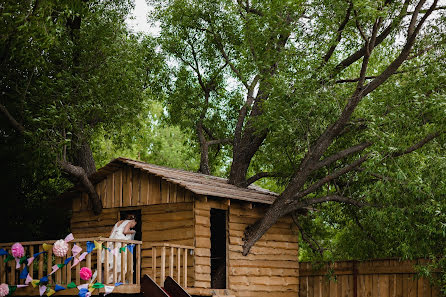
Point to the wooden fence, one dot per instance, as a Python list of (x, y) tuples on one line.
[(375, 278)]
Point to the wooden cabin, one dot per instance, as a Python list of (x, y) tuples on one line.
[(190, 227)]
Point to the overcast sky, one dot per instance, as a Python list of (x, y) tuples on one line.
[(138, 22)]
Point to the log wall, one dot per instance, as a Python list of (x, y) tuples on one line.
[(171, 223), (375, 278), (271, 269)]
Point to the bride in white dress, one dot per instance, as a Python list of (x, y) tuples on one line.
[(121, 230)]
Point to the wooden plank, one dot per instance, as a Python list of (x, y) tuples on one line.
[(185, 268), (123, 266), (130, 266), (127, 187), (171, 258), (136, 187), (164, 191), (384, 286), (157, 190), (154, 263), (99, 262), (163, 265), (110, 191), (117, 180), (78, 278), (138, 264), (49, 263), (144, 194), (115, 268), (106, 263), (179, 265), (30, 268)]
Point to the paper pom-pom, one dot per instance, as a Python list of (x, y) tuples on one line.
[(4, 290), (85, 273), (17, 250), (60, 248)]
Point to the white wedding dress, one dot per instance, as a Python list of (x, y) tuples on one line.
[(117, 233)]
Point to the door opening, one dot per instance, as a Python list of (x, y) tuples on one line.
[(218, 248), (137, 213)]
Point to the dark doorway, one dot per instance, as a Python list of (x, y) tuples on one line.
[(138, 235), (218, 248), (137, 213)]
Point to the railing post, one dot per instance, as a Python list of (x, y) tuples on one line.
[(99, 262), (163, 265), (130, 266), (171, 262), (185, 268), (138, 264), (31, 268), (123, 264), (2, 270), (106, 264), (40, 259), (58, 272), (115, 264), (12, 273), (154, 263), (49, 264), (178, 264), (68, 279)]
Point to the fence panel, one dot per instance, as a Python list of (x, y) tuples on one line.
[(374, 278)]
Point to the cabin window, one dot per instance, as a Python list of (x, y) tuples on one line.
[(218, 248)]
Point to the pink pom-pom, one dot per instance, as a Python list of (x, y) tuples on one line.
[(60, 248), (4, 290), (17, 250), (85, 273)]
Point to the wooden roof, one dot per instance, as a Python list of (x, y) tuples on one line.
[(197, 183)]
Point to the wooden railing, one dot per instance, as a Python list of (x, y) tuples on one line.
[(174, 257), (96, 261)]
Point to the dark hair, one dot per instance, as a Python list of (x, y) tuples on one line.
[(130, 216)]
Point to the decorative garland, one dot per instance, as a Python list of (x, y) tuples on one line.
[(60, 249)]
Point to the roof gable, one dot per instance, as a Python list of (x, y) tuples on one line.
[(197, 183)]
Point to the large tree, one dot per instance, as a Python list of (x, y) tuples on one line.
[(322, 95), (69, 70)]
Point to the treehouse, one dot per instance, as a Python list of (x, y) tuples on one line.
[(189, 232)]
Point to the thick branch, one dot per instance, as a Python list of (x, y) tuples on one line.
[(258, 176), (418, 144), (80, 173), (16, 125), (342, 154), (327, 179)]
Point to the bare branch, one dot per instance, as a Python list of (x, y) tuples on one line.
[(15, 124), (418, 144)]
